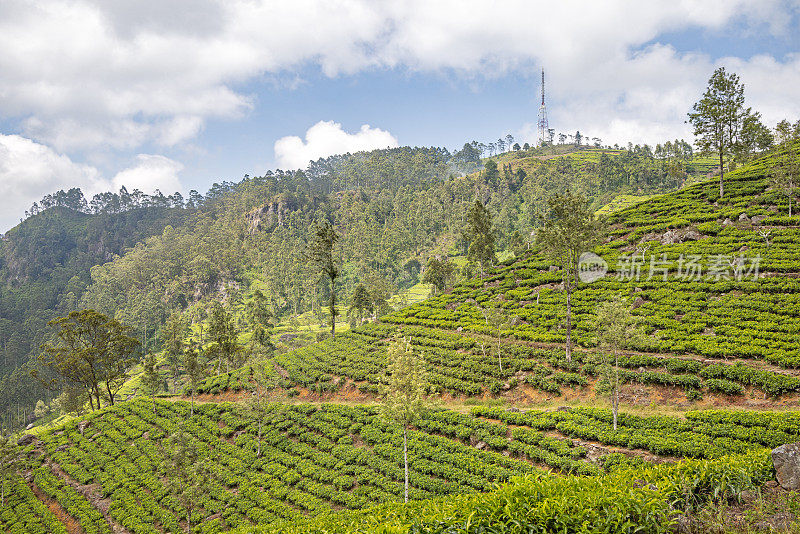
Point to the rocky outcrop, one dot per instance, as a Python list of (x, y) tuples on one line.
[(786, 459), (272, 213), (26, 440)]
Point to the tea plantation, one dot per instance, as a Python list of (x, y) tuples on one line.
[(716, 285)]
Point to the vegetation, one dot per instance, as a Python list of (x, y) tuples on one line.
[(569, 230), (697, 308), (92, 352), (404, 393)]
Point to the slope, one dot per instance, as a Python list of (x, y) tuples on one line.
[(719, 307), (45, 264), (108, 471)]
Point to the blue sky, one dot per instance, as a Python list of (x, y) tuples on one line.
[(179, 94)]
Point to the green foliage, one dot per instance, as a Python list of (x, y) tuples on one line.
[(479, 234), (151, 379), (92, 352), (173, 334), (403, 396), (224, 338), (320, 252)]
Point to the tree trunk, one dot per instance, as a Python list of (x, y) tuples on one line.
[(615, 397), (192, 410), (568, 286), (499, 359), (258, 453), (110, 395), (721, 175), (405, 459), (332, 308)]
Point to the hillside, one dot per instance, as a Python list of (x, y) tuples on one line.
[(521, 416), (712, 337), (105, 474), (45, 264)]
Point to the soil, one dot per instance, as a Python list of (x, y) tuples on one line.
[(70, 523)]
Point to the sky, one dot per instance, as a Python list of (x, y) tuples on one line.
[(178, 94)]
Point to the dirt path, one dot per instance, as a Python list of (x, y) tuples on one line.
[(70, 523)]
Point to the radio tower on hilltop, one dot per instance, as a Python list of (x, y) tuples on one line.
[(544, 129)]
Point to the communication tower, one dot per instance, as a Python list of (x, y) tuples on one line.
[(544, 129)]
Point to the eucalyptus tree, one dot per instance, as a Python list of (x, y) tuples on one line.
[(570, 228), (403, 397), (320, 253)]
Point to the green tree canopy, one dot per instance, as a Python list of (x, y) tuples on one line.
[(224, 337), (480, 235), (439, 273), (616, 328), (320, 254), (403, 393), (718, 117), (90, 351)]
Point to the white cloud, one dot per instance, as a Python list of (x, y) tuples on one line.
[(326, 138), (30, 170), (151, 172), (93, 74)]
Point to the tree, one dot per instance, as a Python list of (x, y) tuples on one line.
[(570, 229), (786, 173), (259, 316), (172, 335), (9, 463), (754, 137), (223, 336), (195, 371), (526, 146), (188, 472), (256, 407), (617, 328), (91, 352), (480, 236), (151, 379), (497, 320), (379, 291), (785, 132), (439, 273), (72, 400), (40, 410), (360, 302), (403, 392), (718, 117), (320, 254), (517, 244), (516, 147)]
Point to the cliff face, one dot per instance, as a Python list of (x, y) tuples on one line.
[(271, 214)]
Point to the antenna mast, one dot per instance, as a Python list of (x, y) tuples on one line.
[(544, 129)]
